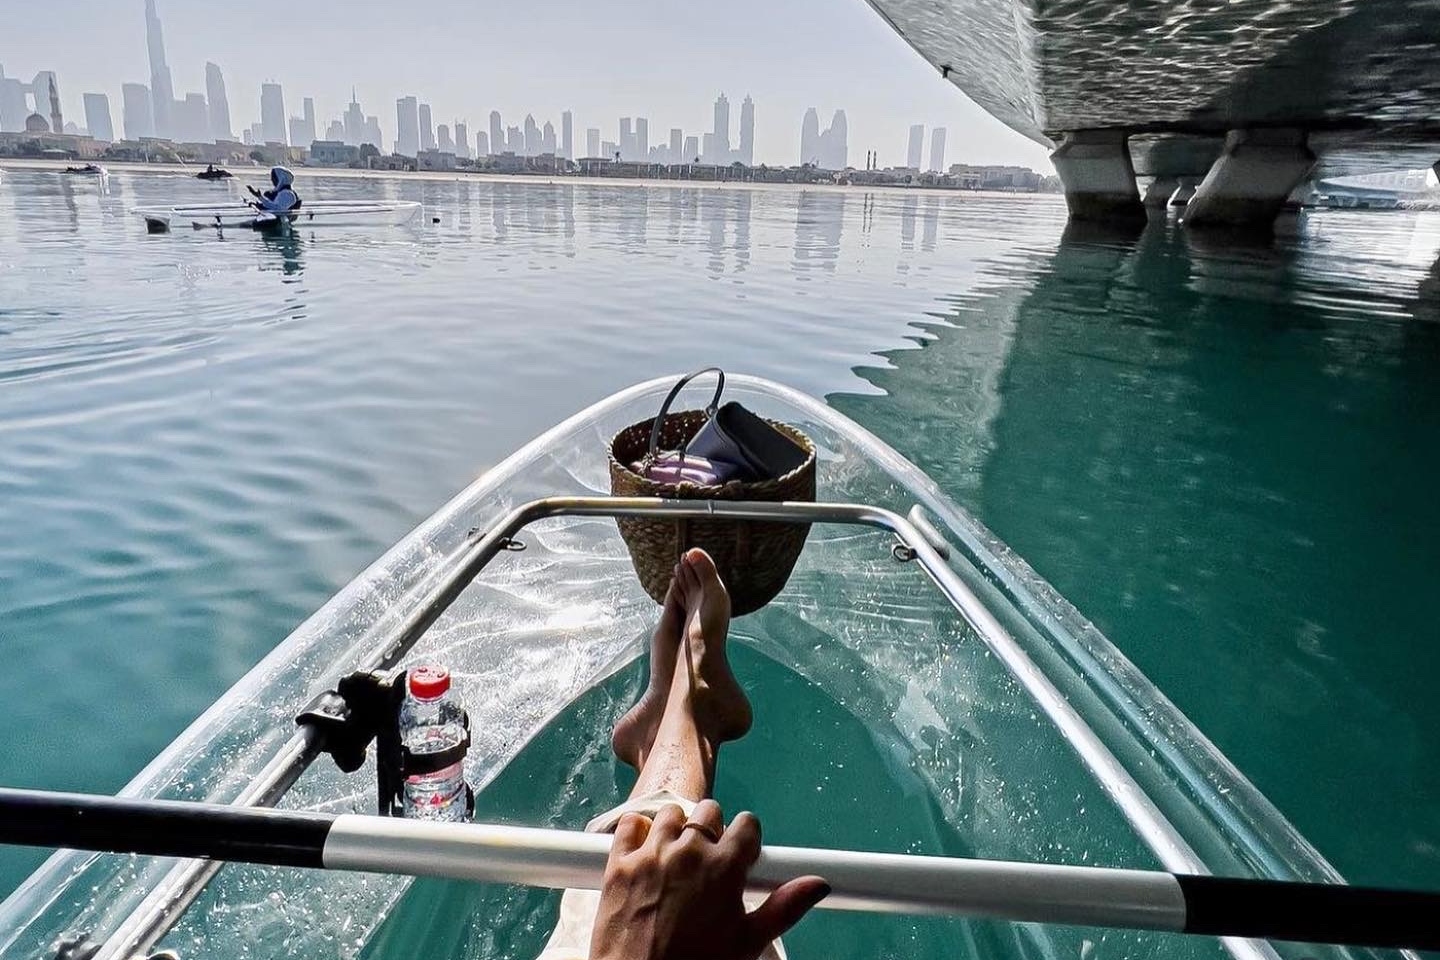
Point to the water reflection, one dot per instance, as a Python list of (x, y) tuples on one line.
[(743, 201), (907, 221), (931, 223), (283, 251), (35, 213), (500, 210), (725, 219), (462, 206), (567, 214), (1223, 456), (819, 224)]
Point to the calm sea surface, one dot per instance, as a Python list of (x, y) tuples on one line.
[(1226, 456)]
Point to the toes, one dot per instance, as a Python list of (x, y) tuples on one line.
[(689, 582), (673, 613), (701, 566)]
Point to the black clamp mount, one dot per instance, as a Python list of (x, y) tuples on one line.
[(365, 706)]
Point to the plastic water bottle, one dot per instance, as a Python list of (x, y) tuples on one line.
[(432, 720)]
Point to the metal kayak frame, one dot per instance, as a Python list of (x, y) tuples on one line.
[(915, 540)]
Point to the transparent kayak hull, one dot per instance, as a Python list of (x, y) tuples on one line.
[(540, 628), (312, 213)]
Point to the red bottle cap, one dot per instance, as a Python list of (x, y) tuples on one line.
[(428, 681)]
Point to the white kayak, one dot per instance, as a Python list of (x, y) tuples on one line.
[(991, 703), (312, 213)]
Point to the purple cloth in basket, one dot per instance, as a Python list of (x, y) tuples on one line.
[(669, 467)]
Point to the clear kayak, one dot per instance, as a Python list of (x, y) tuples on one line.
[(1025, 731), (312, 213)]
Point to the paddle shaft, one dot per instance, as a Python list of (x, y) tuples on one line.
[(892, 883)]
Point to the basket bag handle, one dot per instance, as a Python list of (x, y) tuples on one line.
[(674, 392)]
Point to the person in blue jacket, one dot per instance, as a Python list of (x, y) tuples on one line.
[(281, 198)]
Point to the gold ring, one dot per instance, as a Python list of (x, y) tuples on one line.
[(705, 829)]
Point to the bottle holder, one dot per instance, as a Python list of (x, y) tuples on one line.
[(365, 707)]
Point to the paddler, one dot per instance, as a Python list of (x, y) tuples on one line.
[(675, 880), (281, 197)]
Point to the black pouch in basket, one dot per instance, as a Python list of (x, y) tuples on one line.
[(735, 435)]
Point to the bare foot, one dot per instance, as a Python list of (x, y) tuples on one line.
[(635, 731), (722, 711)]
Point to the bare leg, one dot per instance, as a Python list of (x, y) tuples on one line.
[(636, 730), (704, 706), (673, 734)]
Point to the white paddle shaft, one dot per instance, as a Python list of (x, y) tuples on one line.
[(884, 882)]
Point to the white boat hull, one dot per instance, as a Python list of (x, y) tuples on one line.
[(317, 213)]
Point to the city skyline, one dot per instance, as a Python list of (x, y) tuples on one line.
[(201, 118), (776, 110)]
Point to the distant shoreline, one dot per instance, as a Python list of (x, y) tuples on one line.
[(258, 174)]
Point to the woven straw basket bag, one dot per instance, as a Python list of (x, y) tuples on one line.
[(754, 558)]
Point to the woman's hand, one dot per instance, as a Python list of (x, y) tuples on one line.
[(673, 890)]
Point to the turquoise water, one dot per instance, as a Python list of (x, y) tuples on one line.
[(1222, 455)]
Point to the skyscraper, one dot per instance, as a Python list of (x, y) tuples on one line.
[(532, 136), (137, 111), (567, 135), (407, 127), (191, 119), (810, 137), (443, 143), (691, 151), (97, 116), (592, 142), (354, 119), (547, 139), (482, 145), (219, 104), (642, 139), (937, 150), (297, 132), (834, 143), (335, 132), (627, 138), (747, 132), (372, 135), (917, 144), (162, 94), (721, 143), (427, 130), (462, 140), (272, 113), (307, 119), (497, 133), (514, 141), (12, 104), (677, 145)]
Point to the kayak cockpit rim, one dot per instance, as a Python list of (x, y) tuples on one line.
[(391, 639)]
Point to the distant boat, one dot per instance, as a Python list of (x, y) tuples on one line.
[(89, 170), (214, 173)]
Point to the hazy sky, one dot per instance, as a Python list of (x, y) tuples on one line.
[(603, 60)]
